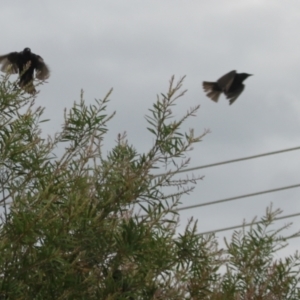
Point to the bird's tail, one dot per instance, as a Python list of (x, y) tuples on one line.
[(28, 87), (212, 92)]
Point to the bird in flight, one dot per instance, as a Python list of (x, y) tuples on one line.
[(231, 84), (24, 63)]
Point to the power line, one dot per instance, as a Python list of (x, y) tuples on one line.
[(248, 224), (236, 198), (240, 197), (230, 161)]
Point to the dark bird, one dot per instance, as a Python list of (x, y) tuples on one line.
[(25, 62), (230, 84)]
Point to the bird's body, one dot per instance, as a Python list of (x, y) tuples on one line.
[(25, 63), (231, 84)]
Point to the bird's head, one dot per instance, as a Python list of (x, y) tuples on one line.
[(244, 76), (27, 50)]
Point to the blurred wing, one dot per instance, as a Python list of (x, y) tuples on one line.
[(233, 96), (9, 62), (226, 81), (42, 70)]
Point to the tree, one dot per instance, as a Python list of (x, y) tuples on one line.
[(83, 226)]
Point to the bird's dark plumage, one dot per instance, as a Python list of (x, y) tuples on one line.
[(231, 84), (24, 63)]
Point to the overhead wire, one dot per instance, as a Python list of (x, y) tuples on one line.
[(229, 161), (248, 224), (239, 197)]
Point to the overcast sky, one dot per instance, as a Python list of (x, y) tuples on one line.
[(135, 47)]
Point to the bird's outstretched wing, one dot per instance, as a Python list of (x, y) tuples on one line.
[(225, 81), (232, 96), (42, 70), (9, 62)]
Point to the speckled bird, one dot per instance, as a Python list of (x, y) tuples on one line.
[(25, 63), (231, 84)]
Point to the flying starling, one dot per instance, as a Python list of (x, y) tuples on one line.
[(25, 62), (230, 84)]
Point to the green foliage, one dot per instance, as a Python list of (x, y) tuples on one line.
[(84, 226)]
